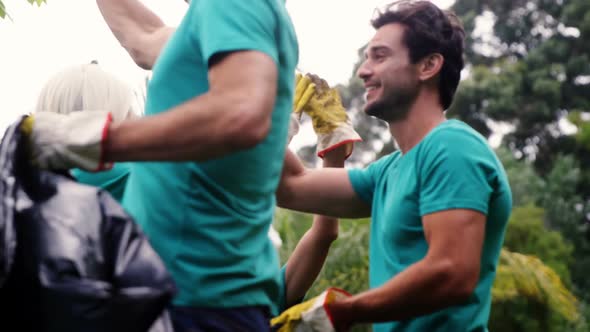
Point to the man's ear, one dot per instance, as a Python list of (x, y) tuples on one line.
[(430, 66)]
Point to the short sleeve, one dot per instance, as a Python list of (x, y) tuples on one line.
[(364, 180), (233, 25), (456, 171)]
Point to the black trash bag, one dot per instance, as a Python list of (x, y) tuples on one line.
[(7, 194), (81, 263)]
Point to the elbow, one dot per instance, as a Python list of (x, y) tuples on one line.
[(141, 59), (284, 194), (249, 127), (327, 238), (458, 281)]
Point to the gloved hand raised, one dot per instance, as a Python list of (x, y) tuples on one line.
[(329, 118), (76, 140), (304, 90), (309, 316)]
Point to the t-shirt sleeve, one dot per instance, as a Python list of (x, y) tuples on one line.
[(234, 25), (364, 180), (456, 171)]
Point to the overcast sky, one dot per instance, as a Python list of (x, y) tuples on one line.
[(39, 42)]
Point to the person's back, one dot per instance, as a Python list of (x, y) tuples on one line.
[(209, 220)]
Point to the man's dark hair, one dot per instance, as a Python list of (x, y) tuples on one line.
[(429, 30)]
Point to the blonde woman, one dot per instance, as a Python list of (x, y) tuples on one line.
[(90, 88)]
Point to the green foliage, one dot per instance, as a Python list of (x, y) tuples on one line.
[(524, 181), (347, 263), (527, 276), (4, 13), (583, 126), (532, 73), (526, 234)]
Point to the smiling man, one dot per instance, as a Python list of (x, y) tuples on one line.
[(439, 205)]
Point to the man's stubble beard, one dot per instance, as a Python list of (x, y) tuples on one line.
[(392, 109)]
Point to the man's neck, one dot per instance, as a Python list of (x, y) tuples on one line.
[(424, 115)]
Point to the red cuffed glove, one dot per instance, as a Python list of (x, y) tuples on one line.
[(64, 141)]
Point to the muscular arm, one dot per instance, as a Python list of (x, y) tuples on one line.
[(307, 260), (446, 276), (141, 32), (325, 191), (235, 114)]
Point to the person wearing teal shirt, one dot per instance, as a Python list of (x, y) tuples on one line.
[(439, 205), (212, 146), (113, 181)]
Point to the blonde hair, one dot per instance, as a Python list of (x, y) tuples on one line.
[(87, 88)]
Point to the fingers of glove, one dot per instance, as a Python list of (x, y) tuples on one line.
[(304, 91), (301, 85), (305, 98), (27, 125), (325, 106), (320, 83)]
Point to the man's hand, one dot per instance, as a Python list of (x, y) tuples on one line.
[(329, 118), (76, 140)]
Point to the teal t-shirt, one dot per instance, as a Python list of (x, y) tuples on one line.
[(113, 180), (453, 167), (209, 221), (282, 298)]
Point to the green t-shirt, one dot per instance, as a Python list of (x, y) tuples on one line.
[(113, 180), (453, 167), (209, 221)]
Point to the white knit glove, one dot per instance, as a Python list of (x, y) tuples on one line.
[(64, 141)]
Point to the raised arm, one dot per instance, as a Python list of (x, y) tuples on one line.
[(307, 260), (141, 32), (326, 191)]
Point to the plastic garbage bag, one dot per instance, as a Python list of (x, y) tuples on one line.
[(7, 194), (80, 262)]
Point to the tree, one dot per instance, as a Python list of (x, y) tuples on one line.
[(531, 288), (533, 72), (4, 13)]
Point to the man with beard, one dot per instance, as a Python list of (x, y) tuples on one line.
[(439, 205)]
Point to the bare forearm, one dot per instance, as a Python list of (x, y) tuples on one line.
[(192, 131), (320, 191), (140, 31), (421, 289), (307, 260)]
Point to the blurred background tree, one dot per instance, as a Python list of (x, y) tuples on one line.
[(4, 12)]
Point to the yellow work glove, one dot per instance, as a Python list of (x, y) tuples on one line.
[(304, 90), (329, 118), (309, 316), (64, 141)]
